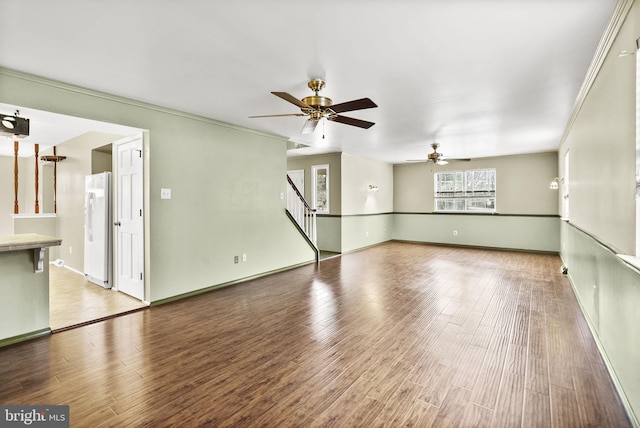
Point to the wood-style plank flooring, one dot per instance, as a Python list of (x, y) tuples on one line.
[(75, 301), (396, 335)]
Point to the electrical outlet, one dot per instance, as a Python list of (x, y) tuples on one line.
[(244, 257), (455, 233), (366, 234), (70, 250), (235, 259)]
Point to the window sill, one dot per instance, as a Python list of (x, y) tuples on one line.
[(467, 212)]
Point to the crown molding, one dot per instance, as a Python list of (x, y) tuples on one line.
[(127, 101), (606, 41)]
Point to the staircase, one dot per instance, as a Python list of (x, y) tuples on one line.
[(302, 215)]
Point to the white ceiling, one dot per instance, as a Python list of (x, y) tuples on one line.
[(483, 78), (49, 129)]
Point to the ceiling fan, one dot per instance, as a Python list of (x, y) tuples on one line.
[(438, 158), (318, 107)]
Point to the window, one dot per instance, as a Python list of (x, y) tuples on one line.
[(473, 190), (320, 188)]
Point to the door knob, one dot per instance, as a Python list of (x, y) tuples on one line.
[(117, 223)]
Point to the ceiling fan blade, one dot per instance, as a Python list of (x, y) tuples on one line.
[(416, 160), (279, 115), (293, 100), (351, 121), (360, 104), (309, 126), (454, 159)]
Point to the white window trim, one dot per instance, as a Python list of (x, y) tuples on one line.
[(464, 171), (314, 170)]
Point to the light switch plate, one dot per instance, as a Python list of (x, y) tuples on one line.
[(165, 193)]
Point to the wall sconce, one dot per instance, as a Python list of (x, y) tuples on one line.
[(373, 188), (556, 183)]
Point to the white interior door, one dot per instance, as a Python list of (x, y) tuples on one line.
[(128, 218), (297, 176)]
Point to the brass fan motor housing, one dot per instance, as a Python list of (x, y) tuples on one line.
[(317, 101), (434, 156)]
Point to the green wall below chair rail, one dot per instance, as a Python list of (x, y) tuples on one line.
[(608, 290), (518, 232)]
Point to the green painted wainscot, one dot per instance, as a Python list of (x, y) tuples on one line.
[(607, 286)]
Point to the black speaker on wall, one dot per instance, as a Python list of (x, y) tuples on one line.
[(14, 126)]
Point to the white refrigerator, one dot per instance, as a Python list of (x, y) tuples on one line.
[(97, 229)]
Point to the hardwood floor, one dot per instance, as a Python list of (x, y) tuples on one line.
[(396, 335), (75, 301)]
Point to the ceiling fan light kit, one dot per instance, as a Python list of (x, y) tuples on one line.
[(318, 107)]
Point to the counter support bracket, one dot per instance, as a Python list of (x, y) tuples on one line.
[(38, 260)]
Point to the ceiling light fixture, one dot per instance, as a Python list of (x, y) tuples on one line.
[(8, 122)]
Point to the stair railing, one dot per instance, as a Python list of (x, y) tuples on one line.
[(300, 211)]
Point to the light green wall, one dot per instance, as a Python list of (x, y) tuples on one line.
[(355, 220), (24, 294), (226, 184), (357, 174), (522, 183), (360, 231), (609, 293), (602, 150), (334, 160), (367, 217), (527, 208), (535, 233), (329, 233)]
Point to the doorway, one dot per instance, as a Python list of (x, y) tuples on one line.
[(75, 301), (87, 147)]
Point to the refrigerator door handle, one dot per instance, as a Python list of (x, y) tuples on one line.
[(91, 197)]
